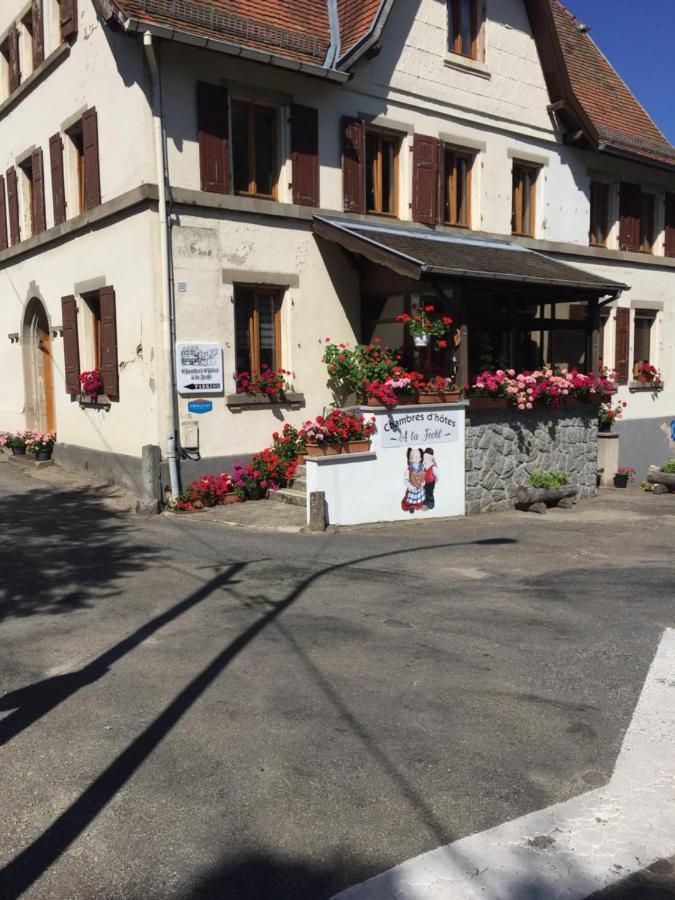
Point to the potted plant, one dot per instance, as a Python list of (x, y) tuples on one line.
[(42, 445), (405, 386), (360, 431), (350, 371), (320, 441), (270, 382), (427, 328), (647, 373), (92, 383), (608, 414), (488, 390), (17, 442), (430, 392), (451, 392), (623, 475), (381, 395)]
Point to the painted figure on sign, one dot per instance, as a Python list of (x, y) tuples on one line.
[(413, 499), (430, 477)]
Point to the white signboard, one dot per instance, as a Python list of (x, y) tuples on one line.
[(414, 427), (199, 367)]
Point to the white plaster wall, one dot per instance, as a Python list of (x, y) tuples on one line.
[(119, 255), (105, 70), (326, 303)]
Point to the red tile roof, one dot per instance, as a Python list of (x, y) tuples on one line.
[(356, 19), (615, 113)]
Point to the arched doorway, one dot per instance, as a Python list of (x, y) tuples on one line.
[(38, 368)]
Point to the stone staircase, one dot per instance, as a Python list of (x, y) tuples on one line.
[(295, 495)]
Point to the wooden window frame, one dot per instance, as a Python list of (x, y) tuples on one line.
[(454, 13), (76, 168), (642, 315), (603, 188), (251, 108), (26, 198), (390, 137), (28, 45), (450, 179), (254, 292), (518, 225), (93, 304)]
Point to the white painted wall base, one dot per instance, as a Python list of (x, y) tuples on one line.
[(377, 486)]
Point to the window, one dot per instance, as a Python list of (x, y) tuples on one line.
[(524, 199), (257, 314), (254, 139), (92, 304), (463, 27), (382, 173), (643, 324), (76, 194), (647, 222), (5, 89), (603, 360), (599, 213), (27, 49), (457, 187), (27, 202)]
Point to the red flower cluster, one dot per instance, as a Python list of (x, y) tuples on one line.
[(92, 383)]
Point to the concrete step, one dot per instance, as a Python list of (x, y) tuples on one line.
[(300, 484), (289, 495)]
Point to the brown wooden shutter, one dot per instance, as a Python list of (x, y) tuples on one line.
[(425, 179), (621, 362), (58, 180), (71, 344), (13, 207), (214, 138), (14, 59), (38, 34), (39, 216), (109, 372), (68, 18), (353, 164), (3, 215), (670, 224), (92, 176), (630, 207), (305, 154)]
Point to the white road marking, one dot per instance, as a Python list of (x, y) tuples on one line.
[(574, 848)]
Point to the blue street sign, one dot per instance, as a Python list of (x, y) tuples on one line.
[(199, 406)]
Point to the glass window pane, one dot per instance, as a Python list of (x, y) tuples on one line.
[(264, 151), (447, 178), (467, 27), (388, 156), (242, 309), (371, 162), (240, 147), (647, 222), (527, 209), (642, 339), (453, 25), (462, 215), (266, 307)]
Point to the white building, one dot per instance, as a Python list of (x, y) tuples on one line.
[(321, 170)]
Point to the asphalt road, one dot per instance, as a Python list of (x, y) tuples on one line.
[(188, 710)]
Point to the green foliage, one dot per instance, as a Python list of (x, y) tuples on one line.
[(543, 479), (351, 370), (669, 467)]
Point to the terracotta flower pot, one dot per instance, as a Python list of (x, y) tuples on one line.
[(373, 401), (430, 397), (300, 459), (451, 396), (358, 446), (231, 498), (407, 398), (323, 449)]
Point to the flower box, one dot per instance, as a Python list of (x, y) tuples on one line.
[(451, 396), (324, 449), (430, 397), (408, 398), (356, 446), (231, 498), (488, 403)]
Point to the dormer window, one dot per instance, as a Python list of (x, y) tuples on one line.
[(463, 27)]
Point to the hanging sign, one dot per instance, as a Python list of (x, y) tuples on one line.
[(405, 429), (199, 367), (199, 406)]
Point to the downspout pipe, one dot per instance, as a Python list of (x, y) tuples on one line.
[(167, 338)]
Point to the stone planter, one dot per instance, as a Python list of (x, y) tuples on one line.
[(488, 403), (323, 449), (432, 397)]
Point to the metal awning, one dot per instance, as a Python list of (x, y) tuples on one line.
[(423, 254)]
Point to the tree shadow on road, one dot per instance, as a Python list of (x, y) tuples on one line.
[(60, 549)]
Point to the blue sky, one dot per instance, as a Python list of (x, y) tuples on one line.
[(637, 38)]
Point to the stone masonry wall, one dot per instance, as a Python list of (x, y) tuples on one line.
[(504, 446)]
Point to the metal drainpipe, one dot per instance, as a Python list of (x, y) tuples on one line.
[(160, 163)]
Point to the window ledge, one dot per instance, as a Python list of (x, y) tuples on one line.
[(466, 64), (243, 401), (35, 77), (100, 402), (644, 387)]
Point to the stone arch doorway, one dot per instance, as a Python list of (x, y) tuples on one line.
[(38, 368)]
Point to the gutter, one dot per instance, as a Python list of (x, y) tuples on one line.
[(167, 305), (132, 26)]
